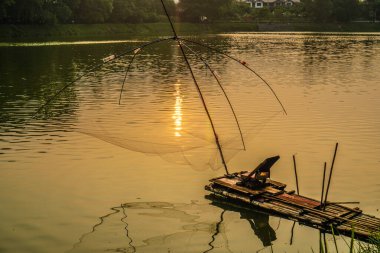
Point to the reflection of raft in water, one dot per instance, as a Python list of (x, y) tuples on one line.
[(256, 189), (259, 221)]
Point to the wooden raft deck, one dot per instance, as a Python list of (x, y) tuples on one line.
[(273, 198)]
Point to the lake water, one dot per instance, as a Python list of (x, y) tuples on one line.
[(72, 181)]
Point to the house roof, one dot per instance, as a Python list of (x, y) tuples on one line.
[(273, 1), (268, 1)]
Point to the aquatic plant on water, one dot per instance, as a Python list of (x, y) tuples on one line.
[(373, 245)]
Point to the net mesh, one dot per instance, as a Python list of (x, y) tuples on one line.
[(160, 111)]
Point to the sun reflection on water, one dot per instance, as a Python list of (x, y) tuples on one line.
[(177, 115)]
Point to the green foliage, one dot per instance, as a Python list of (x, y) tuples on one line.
[(92, 11), (4, 8), (82, 11), (371, 9), (138, 11), (260, 14), (320, 10), (373, 246), (331, 10), (62, 12), (345, 10), (34, 11), (27, 11), (193, 10), (352, 241), (242, 11)]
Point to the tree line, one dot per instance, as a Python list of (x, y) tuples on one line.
[(138, 11), (81, 11)]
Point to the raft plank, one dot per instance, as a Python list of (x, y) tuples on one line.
[(371, 222), (297, 199), (296, 207), (273, 208)]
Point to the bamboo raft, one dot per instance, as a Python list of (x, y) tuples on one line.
[(257, 190)]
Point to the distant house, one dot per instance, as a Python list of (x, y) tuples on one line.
[(269, 3)]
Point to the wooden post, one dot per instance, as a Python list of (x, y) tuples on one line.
[(295, 172), (323, 182), (331, 170)]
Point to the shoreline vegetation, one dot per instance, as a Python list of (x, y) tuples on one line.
[(101, 19), (97, 31)]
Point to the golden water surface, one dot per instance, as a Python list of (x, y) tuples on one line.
[(90, 175)]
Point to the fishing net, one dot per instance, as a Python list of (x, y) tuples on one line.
[(160, 111)]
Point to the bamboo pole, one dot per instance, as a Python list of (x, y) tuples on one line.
[(222, 88), (244, 64), (323, 182), (198, 89), (331, 170), (90, 70), (295, 172)]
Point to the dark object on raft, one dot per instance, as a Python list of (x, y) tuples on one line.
[(257, 190)]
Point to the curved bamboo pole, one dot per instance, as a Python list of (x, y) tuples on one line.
[(223, 90), (96, 67), (126, 74), (198, 89), (243, 63)]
